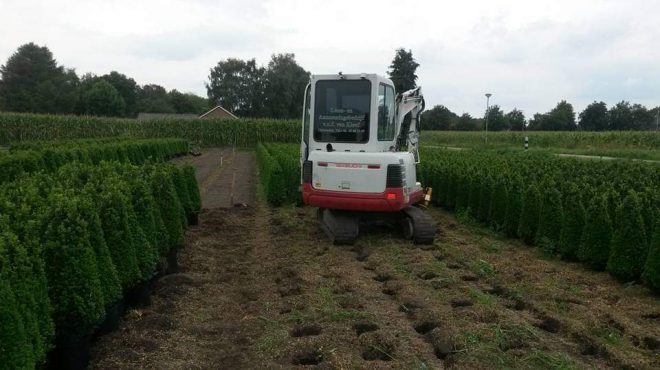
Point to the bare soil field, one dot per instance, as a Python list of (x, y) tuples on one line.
[(260, 287)]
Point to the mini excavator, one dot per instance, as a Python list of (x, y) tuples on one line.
[(359, 154)]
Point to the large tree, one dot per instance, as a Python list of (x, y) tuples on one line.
[(466, 123), (32, 81), (621, 116), (237, 85), (187, 102), (515, 120), (102, 99), (153, 99), (127, 88), (560, 118), (595, 117), (439, 118), (284, 87), (495, 119), (402, 71)]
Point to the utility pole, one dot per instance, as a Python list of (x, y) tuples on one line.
[(488, 95)]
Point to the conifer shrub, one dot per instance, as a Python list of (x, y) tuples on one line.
[(73, 280), (572, 224), (596, 237), (270, 173), (651, 273), (473, 197), (550, 218), (169, 206), (15, 347), (629, 246), (193, 188), (113, 211), (513, 208), (462, 193), (529, 214), (483, 213), (498, 205), (108, 275), (182, 191), (18, 272)]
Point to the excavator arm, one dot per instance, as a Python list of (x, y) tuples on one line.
[(411, 101)]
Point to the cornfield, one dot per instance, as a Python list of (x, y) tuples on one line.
[(243, 132)]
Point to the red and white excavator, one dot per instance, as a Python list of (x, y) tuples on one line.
[(359, 153)]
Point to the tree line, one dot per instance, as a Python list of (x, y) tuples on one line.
[(32, 81), (623, 116)]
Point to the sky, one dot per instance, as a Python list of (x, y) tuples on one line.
[(529, 54)]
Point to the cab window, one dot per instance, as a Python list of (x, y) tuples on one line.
[(385, 113)]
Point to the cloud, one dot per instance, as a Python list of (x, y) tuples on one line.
[(529, 54)]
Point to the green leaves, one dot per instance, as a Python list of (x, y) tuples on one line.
[(615, 230)]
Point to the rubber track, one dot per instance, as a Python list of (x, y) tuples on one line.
[(341, 227), (424, 226)]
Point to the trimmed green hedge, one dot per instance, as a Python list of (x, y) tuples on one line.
[(546, 197), (279, 171), (49, 157), (74, 241)]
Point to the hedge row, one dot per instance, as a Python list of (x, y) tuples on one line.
[(602, 213), (279, 171), (44, 157), (244, 132), (73, 242)]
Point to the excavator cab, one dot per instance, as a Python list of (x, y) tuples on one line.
[(351, 168)]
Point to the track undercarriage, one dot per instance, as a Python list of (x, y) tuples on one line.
[(343, 227)]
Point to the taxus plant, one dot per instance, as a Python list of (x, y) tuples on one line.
[(572, 224), (596, 237), (629, 246), (550, 219), (529, 214)]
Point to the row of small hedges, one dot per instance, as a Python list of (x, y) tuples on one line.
[(603, 213), (74, 241), (279, 171), (49, 157), (243, 132)]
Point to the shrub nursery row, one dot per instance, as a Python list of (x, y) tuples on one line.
[(603, 213)]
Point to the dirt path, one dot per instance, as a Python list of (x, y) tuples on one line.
[(262, 288)]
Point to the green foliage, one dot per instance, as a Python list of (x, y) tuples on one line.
[(595, 117), (102, 99), (402, 71), (495, 119), (15, 346), (651, 274), (572, 224), (483, 213), (473, 197), (17, 270), (108, 276), (73, 279), (169, 206), (550, 219), (271, 175), (529, 214), (595, 247), (629, 246), (193, 188), (498, 205), (182, 191), (513, 208), (113, 210)]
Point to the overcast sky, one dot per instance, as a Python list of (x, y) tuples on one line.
[(529, 54)]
